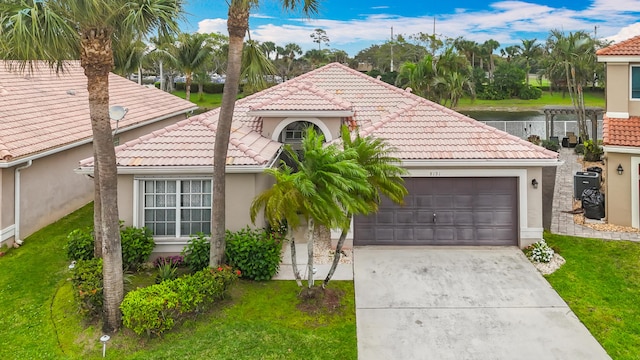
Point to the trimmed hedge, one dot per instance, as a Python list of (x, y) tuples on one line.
[(255, 252), (87, 284), (158, 308), (209, 88)]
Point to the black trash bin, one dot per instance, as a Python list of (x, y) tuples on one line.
[(593, 203), (583, 180)]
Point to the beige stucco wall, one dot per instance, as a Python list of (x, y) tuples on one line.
[(617, 96), (50, 189), (6, 208), (241, 189), (618, 189)]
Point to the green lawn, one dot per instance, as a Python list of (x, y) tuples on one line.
[(208, 101), (590, 99), (601, 284), (38, 317)]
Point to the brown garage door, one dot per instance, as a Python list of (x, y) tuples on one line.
[(446, 211)]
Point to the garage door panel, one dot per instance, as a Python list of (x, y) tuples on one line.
[(463, 201), (464, 218), (405, 217), (444, 201), (502, 218), (469, 211)]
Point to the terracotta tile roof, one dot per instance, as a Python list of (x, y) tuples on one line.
[(419, 129), (43, 111), (190, 143), (629, 47), (621, 132), (302, 96)]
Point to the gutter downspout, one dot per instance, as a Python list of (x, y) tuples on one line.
[(16, 203)]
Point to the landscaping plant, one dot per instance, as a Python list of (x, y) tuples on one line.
[(255, 252), (540, 252), (80, 244), (196, 253), (137, 245), (87, 283)]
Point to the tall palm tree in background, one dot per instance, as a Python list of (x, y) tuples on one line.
[(383, 174), (237, 25), (256, 66), (530, 52), (417, 76), (57, 30), (190, 53), (489, 47), (574, 56)]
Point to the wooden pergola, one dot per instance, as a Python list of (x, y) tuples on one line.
[(550, 112)]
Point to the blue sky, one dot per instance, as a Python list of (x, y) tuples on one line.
[(355, 25)]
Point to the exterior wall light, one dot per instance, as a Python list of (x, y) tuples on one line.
[(534, 183), (620, 169)]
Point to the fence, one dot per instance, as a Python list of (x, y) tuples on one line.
[(523, 129)]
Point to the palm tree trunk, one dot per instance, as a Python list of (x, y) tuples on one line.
[(97, 213), (310, 253), (294, 263), (97, 60), (187, 87), (161, 76), (337, 255), (237, 24)]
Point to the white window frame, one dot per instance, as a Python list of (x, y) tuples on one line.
[(139, 201), (631, 67)]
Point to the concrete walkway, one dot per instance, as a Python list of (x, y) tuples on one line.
[(561, 222), (462, 303)]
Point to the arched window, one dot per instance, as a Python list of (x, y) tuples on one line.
[(293, 133)]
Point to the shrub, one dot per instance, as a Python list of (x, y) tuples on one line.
[(255, 252), (150, 309), (534, 139), (491, 92), (550, 145), (80, 244), (87, 284), (175, 260), (166, 271), (540, 252), (137, 245), (592, 152), (158, 308), (528, 92), (579, 149), (196, 253)]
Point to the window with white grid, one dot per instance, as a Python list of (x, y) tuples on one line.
[(177, 208)]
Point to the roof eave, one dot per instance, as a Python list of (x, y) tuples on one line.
[(480, 163), (618, 58), (176, 170), (621, 149), (301, 113)]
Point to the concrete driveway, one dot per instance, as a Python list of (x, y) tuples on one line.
[(461, 303)]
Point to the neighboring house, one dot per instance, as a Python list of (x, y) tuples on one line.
[(469, 183), (621, 131), (45, 130)]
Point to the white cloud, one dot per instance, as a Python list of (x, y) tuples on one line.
[(505, 21), (625, 33), (212, 26)]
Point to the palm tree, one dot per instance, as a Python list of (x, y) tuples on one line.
[(191, 52), (575, 55), (453, 85), (237, 25), (417, 76), (255, 66), (56, 30), (489, 46), (327, 184), (383, 176), (530, 51)]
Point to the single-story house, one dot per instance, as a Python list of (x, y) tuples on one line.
[(621, 132), (45, 130), (469, 183)]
